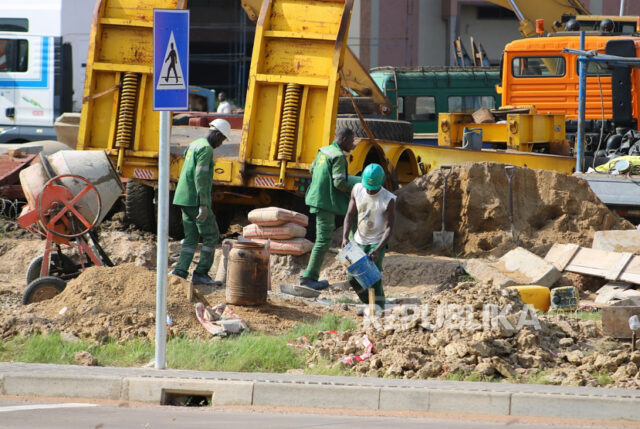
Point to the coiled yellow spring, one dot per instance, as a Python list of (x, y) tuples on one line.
[(126, 114), (287, 142)]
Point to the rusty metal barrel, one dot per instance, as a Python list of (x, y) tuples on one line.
[(248, 274)]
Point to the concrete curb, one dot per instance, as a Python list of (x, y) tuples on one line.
[(148, 385)]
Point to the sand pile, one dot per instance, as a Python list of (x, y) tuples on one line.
[(119, 302), (549, 208), (399, 270), (456, 333), (106, 302)]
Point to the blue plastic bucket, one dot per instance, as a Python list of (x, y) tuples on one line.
[(365, 272)]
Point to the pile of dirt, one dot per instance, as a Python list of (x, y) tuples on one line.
[(453, 334), (398, 269), (549, 208), (119, 302)]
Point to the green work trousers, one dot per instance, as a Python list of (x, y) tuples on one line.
[(193, 230), (325, 226), (362, 293)]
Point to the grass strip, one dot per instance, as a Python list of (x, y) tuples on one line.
[(251, 352)]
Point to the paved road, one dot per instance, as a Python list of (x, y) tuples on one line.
[(64, 415)]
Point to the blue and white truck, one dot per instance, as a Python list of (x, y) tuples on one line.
[(43, 51)]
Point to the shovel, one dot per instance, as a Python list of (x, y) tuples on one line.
[(443, 238), (508, 171)]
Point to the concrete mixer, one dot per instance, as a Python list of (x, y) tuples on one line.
[(68, 194)]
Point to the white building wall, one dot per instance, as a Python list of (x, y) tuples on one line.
[(494, 34), (432, 43), (355, 28)]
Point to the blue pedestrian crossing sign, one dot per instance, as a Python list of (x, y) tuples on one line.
[(170, 59)]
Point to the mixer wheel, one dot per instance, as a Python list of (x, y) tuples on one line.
[(42, 289), (61, 266)]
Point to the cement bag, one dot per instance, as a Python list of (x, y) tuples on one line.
[(295, 246), (274, 216), (282, 232)]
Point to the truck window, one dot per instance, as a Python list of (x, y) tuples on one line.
[(470, 103), (538, 66), (14, 24), (595, 69), (14, 55), (417, 108)]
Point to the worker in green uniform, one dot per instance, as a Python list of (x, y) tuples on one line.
[(373, 209), (193, 195), (328, 196)]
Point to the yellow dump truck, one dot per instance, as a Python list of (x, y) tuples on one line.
[(300, 66)]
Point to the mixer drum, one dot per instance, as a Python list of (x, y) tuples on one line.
[(94, 166)]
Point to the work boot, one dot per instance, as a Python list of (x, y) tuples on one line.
[(314, 284), (178, 273), (204, 279)]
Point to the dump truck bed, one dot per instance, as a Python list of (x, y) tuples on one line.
[(183, 136)]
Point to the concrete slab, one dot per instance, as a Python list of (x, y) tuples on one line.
[(66, 386), (316, 396), (617, 241), (484, 272), (575, 407), (471, 402), (615, 291), (404, 399), (144, 389), (528, 268)]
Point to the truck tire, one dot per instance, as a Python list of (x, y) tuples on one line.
[(139, 208), (366, 105), (383, 129), (67, 269), (42, 289)]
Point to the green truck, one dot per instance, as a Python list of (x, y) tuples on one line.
[(418, 94)]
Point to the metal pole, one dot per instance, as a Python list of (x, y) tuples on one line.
[(163, 241), (582, 95), (516, 10), (622, 4)]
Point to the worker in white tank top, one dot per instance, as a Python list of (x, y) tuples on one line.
[(373, 208)]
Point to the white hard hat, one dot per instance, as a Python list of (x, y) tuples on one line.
[(221, 125)]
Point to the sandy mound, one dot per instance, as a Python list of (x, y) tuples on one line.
[(399, 270), (119, 302), (15, 257), (549, 208), (438, 339)]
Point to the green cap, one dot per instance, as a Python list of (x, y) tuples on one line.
[(373, 177)]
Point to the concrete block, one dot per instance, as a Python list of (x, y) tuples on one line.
[(617, 241), (316, 396), (528, 268), (404, 399), (484, 272), (470, 402), (575, 407), (67, 386), (145, 389)]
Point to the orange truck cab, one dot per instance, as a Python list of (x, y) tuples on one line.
[(537, 72)]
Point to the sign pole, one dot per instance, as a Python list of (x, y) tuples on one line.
[(171, 93), (163, 241)]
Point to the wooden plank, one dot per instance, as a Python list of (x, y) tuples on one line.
[(617, 269), (595, 262), (560, 255)]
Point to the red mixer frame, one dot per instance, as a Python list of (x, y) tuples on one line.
[(56, 217)]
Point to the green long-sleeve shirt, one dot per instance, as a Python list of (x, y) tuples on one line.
[(196, 176), (330, 188)]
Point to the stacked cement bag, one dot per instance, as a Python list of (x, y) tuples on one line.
[(285, 228)]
